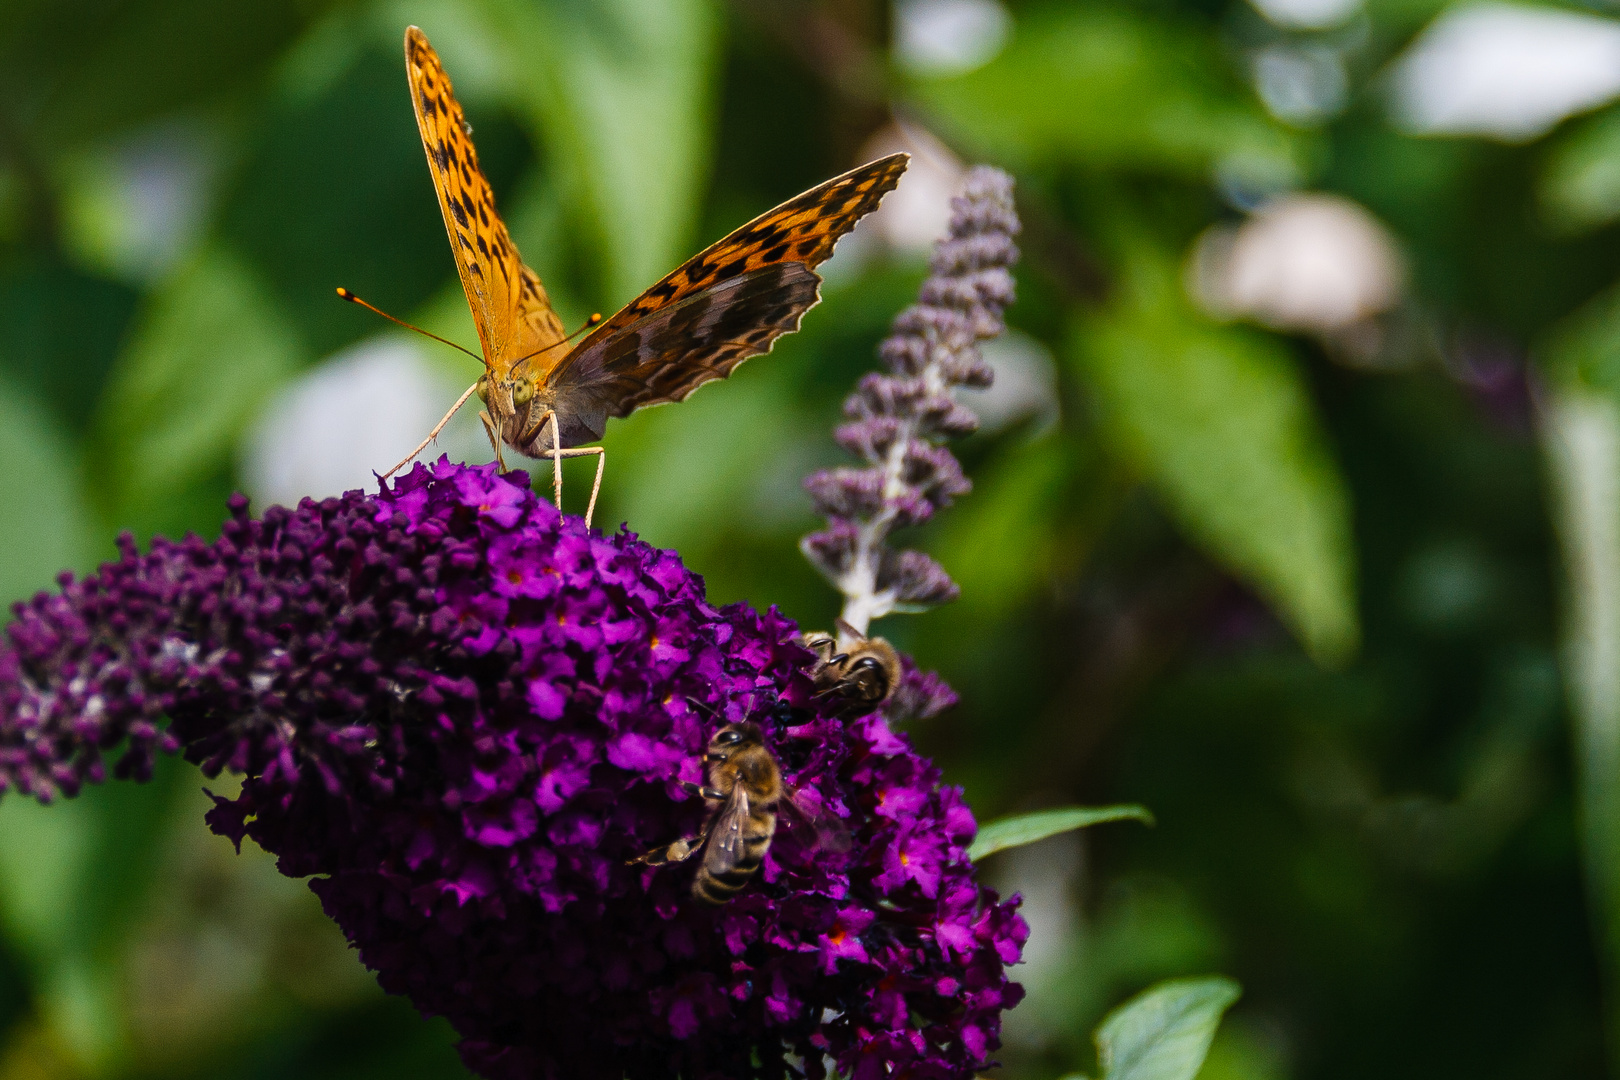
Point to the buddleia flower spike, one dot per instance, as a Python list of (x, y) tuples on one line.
[(461, 715), (899, 421)]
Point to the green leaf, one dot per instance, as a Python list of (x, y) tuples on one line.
[(997, 559), (1164, 1032), (1583, 350), (1219, 421), (205, 356), (623, 94), (1028, 828), (1110, 87), (1580, 184), (46, 526), (74, 878)]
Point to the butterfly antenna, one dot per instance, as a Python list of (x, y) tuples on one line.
[(596, 317), (353, 299)]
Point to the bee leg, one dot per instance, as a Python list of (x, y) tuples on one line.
[(678, 852), (666, 854), (703, 790), (494, 440)]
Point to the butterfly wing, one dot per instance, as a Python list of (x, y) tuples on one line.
[(509, 305), (727, 303)]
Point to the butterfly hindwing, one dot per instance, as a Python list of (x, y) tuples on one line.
[(668, 354), (725, 304), (509, 305)]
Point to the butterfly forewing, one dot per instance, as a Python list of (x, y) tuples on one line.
[(727, 303), (509, 305)]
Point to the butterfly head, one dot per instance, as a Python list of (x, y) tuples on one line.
[(512, 394)]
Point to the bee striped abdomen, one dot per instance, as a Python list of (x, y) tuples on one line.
[(718, 880)]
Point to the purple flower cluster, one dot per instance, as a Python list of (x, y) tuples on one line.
[(899, 420), (464, 712)]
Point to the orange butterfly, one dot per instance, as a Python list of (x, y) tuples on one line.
[(722, 306)]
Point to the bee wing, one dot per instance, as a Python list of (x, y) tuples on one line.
[(725, 835), (831, 833)]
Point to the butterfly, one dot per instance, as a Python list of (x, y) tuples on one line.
[(729, 302)]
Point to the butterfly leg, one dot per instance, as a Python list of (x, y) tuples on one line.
[(601, 460), (434, 434), (556, 459), (494, 439), (558, 452)]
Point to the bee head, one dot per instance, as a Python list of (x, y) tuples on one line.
[(733, 738)]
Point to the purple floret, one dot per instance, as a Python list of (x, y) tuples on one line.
[(463, 712)]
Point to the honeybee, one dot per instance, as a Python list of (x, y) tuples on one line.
[(866, 672), (744, 787)]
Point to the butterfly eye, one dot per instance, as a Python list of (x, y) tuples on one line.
[(483, 389), (522, 392)]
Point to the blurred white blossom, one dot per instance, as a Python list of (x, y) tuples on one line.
[(356, 413), (1307, 14), (912, 216), (137, 205), (1046, 876), (1505, 71), (948, 37), (1300, 84), (917, 212), (1311, 262), (1025, 387)]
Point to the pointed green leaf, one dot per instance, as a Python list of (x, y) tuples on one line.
[(1580, 183), (1164, 1032), (207, 352), (1218, 420), (46, 527), (1028, 828)]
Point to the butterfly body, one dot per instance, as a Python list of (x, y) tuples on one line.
[(725, 304)]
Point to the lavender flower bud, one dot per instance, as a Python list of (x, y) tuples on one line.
[(846, 493), (871, 438), (921, 695), (915, 579), (884, 395), (833, 549), (935, 472), (905, 354)]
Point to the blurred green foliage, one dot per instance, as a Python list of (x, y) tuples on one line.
[(1294, 589)]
